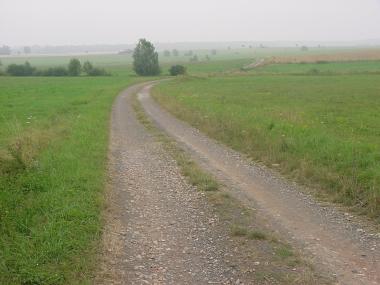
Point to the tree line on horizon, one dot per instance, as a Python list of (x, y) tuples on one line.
[(74, 68), (145, 63)]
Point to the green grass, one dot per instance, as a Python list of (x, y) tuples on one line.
[(238, 231), (53, 145), (53, 148), (321, 130), (258, 235), (216, 66), (284, 252)]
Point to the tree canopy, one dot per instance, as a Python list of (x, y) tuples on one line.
[(145, 59), (74, 67)]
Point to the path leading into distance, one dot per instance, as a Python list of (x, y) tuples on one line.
[(336, 240), (159, 229)]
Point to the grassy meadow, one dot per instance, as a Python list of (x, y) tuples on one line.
[(53, 149), (320, 130)]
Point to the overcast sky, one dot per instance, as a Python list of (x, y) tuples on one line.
[(25, 22)]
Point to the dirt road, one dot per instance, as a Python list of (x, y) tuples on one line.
[(159, 229), (337, 240)]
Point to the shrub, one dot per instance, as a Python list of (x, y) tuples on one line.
[(322, 62), (177, 70), (20, 69), (90, 70), (74, 68), (145, 59), (53, 71), (313, 71), (194, 58), (97, 72)]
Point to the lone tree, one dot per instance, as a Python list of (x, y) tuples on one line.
[(145, 59), (75, 67)]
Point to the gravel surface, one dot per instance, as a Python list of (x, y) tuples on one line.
[(159, 229), (336, 240)]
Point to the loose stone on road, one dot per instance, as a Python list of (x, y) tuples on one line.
[(160, 230), (158, 227)]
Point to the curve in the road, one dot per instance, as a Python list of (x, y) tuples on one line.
[(335, 242)]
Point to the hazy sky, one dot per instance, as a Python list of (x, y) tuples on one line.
[(124, 21)]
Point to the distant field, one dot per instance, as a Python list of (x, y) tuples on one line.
[(321, 130), (222, 61), (53, 147), (344, 67), (121, 63), (107, 60), (331, 55)]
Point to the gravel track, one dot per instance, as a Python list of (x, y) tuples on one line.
[(159, 229), (336, 240)]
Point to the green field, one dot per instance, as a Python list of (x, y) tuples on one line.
[(321, 130), (53, 146), (222, 61)]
